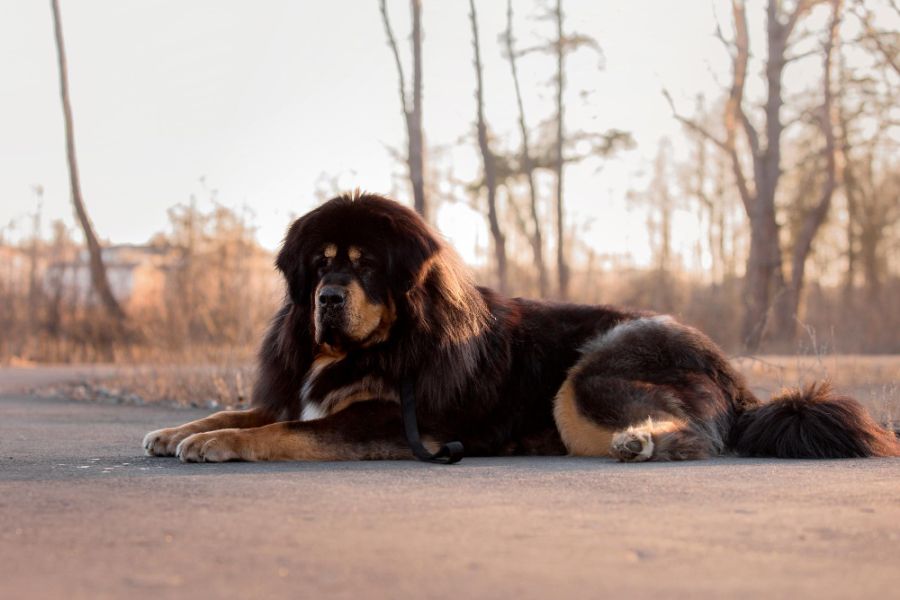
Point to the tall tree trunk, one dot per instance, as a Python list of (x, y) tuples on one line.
[(764, 279), (488, 159), (412, 110), (850, 230), (562, 266), (536, 237), (416, 144), (850, 188), (99, 279), (33, 288), (870, 240), (663, 273), (814, 218)]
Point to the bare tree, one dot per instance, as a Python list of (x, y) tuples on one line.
[(488, 160), (61, 246), (870, 183), (871, 187), (99, 280), (412, 110), (885, 43), (562, 265), (33, 288), (764, 282), (562, 147), (527, 165), (660, 203), (813, 219)]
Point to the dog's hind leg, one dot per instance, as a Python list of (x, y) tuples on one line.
[(632, 421), (660, 440), (647, 389)]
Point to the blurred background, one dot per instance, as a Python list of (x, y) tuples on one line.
[(731, 163)]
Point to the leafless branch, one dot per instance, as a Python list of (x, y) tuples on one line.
[(750, 131), (392, 42), (802, 7), (888, 53), (691, 124), (802, 55)]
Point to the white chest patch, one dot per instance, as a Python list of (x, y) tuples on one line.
[(311, 412)]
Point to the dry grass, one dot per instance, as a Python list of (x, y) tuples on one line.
[(874, 380), (220, 385), (211, 386)]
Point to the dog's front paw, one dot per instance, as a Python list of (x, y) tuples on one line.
[(214, 446), (163, 442)]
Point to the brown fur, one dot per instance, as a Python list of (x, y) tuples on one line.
[(163, 442), (581, 435), (278, 442)]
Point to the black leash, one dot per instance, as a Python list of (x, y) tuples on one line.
[(449, 453)]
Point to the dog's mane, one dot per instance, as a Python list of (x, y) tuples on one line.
[(446, 317), (450, 323)]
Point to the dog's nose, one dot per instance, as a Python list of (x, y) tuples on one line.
[(332, 296)]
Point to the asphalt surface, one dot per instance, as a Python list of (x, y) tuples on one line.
[(83, 514)]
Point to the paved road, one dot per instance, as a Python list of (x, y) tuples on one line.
[(84, 515)]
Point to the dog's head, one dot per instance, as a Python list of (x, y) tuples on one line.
[(350, 262)]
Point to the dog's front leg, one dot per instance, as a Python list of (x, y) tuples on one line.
[(163, 442), (369, 430)]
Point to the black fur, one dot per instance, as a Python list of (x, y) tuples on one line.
[(812, 423), (487, 368)]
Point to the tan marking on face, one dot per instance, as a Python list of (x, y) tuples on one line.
[(383, 331), (354, 253), (365, 318), (330, 251), (581, 436)]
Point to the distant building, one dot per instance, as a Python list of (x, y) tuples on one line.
[(136, 274), (141, 277), (14, 269)]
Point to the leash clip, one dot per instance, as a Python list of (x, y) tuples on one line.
[(448, 454)]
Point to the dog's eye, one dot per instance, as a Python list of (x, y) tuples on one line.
[(367, 263), (321, 261)]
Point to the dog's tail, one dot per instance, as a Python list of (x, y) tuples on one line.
[(812, 422)]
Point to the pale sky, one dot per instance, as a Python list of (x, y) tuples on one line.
[(262, 98)]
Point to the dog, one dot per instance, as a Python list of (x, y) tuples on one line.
[(376, 297)]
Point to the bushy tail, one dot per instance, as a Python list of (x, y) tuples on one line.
[(812, 422)]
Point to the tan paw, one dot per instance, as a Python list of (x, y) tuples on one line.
[(163, 442), (635, 444), (214, 446)]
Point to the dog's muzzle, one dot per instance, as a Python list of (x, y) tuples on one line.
[(330, 304)]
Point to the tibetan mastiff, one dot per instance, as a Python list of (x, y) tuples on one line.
[(375, 298)]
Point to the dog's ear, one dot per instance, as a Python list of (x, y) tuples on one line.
[(416, 247), (291, 261)]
